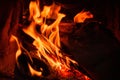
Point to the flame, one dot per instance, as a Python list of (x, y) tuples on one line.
[(54, 11), (47, 39), (18, 52), (34, 10), (82, 16), (34, 72), (14, 38)]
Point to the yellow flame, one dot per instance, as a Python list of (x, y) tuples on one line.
[(45, 11), (82, 16), (34, 12)]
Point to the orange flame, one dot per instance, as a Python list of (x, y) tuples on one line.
[(34, 72), (18, 52), (82, 16), (34, 10)]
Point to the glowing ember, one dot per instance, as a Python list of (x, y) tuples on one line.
[(47, 42)]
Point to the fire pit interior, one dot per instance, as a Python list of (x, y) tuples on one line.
[(59, 40)]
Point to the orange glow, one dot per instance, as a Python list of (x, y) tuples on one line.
[(82, 16)]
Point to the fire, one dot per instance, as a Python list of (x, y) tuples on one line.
[(47, 39), (82, 16)]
